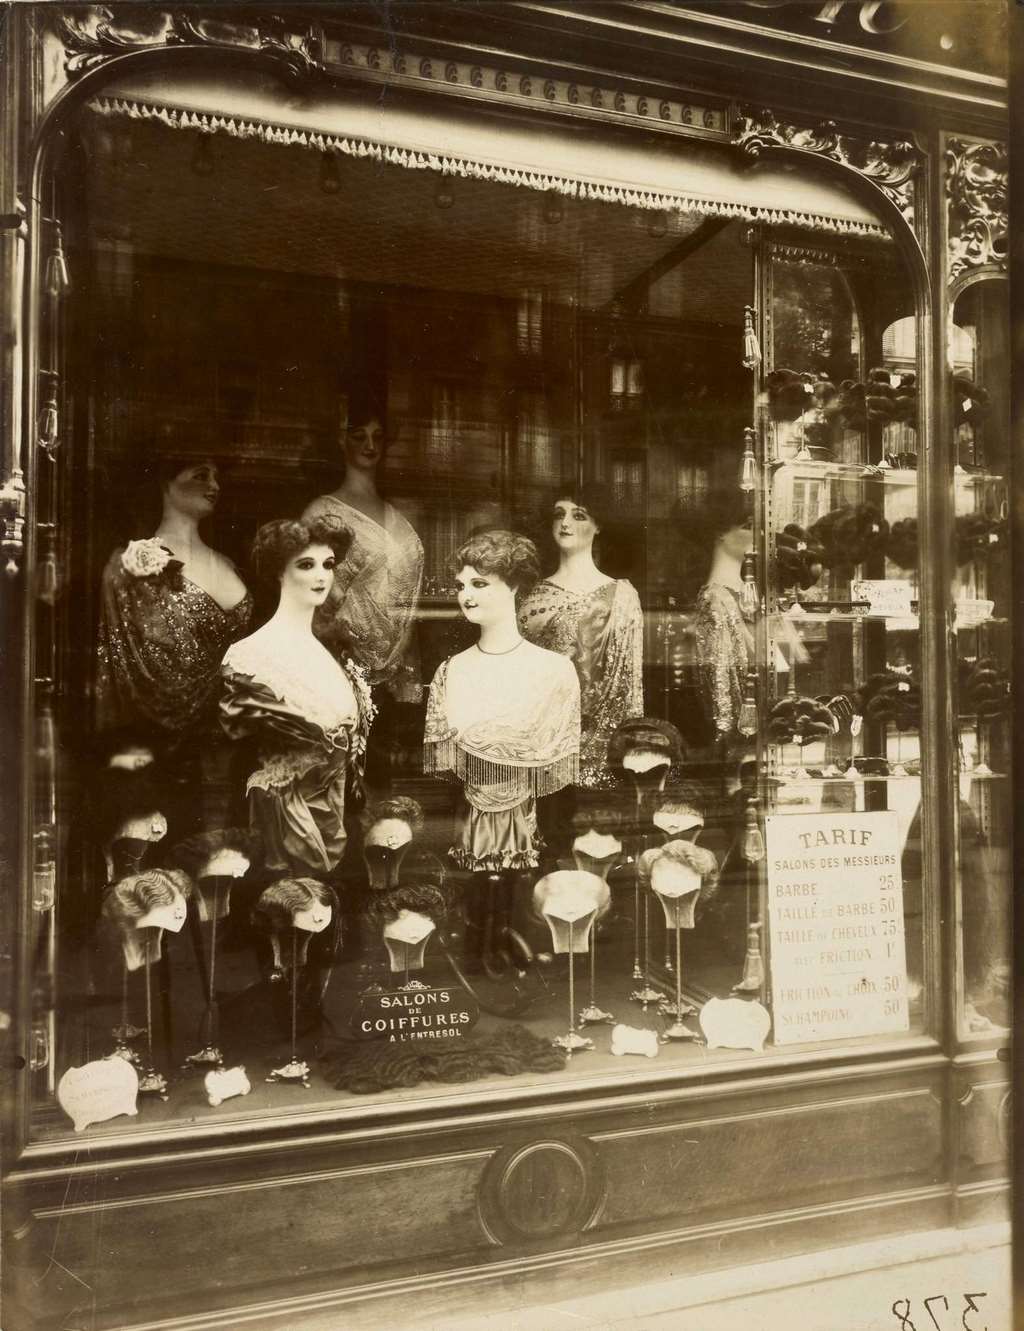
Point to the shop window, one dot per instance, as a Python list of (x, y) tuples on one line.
[(373, 821)]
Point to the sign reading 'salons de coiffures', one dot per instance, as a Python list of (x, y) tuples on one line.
[(418, 1012)]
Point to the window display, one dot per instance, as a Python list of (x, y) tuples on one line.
[(473, 753)]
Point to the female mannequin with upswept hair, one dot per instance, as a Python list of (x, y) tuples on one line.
[(309, 713)]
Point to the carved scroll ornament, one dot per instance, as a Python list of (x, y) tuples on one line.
[(976, 199), (94, 33), (893, 167)]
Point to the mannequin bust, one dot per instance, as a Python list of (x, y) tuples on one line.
[(570, 900), (142, 906), (676, 873), (371, 612), (309, 714), (593, 619), (724, 641), (170, 606), (504, 714)]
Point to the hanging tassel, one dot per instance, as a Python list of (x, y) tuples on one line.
[(746, 723), (749, 600), (748, 463), (753, 963), (57, 280), (751, 346), (752, 843), (49, 423)]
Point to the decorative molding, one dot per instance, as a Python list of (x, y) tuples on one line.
[(706, 117), (976, 205), (893, 167), (93, 34)]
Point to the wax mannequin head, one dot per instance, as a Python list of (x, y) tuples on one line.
[(578, 515), (191, 491), (679, 815), (502, 562), (131, 758), (392, 823), (571, 897), (364, 441), (298, 558)]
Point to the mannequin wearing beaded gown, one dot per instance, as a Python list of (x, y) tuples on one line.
[(725, 642), (595, 621), (170, 606), (308, 713)]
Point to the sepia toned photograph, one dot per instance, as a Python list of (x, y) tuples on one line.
[(508, 569)]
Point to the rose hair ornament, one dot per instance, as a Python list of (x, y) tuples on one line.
[(570, 901), (215, 861), (291, 911), (141, 907)]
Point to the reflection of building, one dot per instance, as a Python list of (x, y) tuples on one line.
[(537, 247)]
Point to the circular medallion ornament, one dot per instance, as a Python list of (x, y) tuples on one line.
[(540, 1191)]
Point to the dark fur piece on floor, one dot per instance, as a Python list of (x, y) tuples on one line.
[(366, 1068)]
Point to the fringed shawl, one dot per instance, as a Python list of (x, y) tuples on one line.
[(528, 745)]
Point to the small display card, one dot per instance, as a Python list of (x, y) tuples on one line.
[(96, 1091), (886, 596)]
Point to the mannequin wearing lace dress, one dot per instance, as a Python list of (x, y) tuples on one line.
[(371, 610), (308, 713)]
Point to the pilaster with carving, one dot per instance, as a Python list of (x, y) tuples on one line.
[(977, 224)]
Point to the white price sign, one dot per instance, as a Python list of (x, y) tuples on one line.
[(835, 918)]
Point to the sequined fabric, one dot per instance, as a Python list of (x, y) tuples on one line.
[(602, 633), (161, 640), (371, 611), (724, 651)]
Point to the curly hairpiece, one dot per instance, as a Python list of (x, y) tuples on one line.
[(279, 541), (509, 556), (140, 893), (278, 903)]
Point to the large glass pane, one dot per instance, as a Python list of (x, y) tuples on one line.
[(845, 892), (979, 362), (376, 821)]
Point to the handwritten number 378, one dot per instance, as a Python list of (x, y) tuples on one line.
[(901, 1310)]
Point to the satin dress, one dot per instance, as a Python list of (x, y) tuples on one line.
[(307, 738)]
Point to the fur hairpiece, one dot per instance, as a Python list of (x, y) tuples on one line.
[(798, 720), (645, 732)]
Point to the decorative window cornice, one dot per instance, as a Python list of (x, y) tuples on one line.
[(893, 167), (976, 205)]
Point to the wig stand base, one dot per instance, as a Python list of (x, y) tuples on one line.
[(677, 1031), (208, 1057), (572, 1042), (121, 1050), (668, 1007), (647, 995), (592, 1015), (295, 1071), (152, 1082), (126, 1032)]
